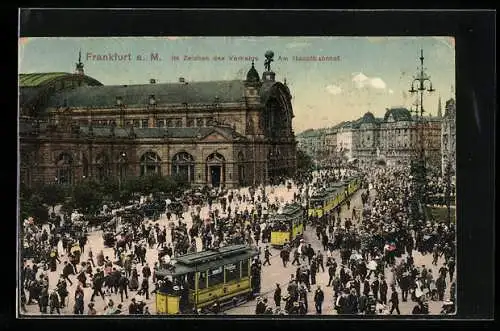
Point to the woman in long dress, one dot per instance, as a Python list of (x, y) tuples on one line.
[(134, 280)]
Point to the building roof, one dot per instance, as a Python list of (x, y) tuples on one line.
[(37, 79), (44, 78), (253, 75), (368, 118), (209, 92), (28, 94), (399, 114)]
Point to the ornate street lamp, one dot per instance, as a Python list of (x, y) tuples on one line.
[(421, 83)]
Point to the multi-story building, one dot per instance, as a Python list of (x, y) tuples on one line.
[(393, 138), (367, 138), (448, 138), (330, 142), (345, 139), (230, 133), (312, 142)]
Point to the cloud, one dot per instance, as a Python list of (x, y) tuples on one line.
[(297, 45), (334, 89), (360, 80)]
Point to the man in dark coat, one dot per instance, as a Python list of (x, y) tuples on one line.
[(314, 269), (352, 303), (123, 285), (54, 302), (404, 284), (267, 256), (383, 290), (331, 273), (309, 253), (132, 308), (284, 255), (394, 301), (441, 286), (68, 270), (319, 260), (98, 281), (319, 297), (277, 295), (375, 288), (366, 287), (451, 267), (296, 256)]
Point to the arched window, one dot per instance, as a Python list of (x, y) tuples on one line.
[(64, 172), (103, 168), (150, 164), (183, 166), (85, 167)]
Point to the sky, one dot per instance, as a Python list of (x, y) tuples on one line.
[(357, 75)]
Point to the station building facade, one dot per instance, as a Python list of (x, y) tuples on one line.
[(229, 133)]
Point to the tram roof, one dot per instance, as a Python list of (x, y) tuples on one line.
[(209, 259)]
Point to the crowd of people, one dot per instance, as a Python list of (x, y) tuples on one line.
[(375, 269), (368, 257)]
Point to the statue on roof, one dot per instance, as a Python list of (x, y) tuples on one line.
[(269, 58)]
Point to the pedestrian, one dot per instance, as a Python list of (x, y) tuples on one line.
[(383, 290), (394, 301), (123, 283), (451, 267), (54, 302), (97, 283), (441, 286), (277, 295), (267, 255), (132, 308), (296, 256), (91, 310), (319, 259), (319, 297)]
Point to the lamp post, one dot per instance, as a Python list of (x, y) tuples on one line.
[(448, 191), (122, 160), (420, 84)]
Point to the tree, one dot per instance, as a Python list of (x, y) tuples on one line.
[(31, 205), (304, 161), (87, 197), (52, 194)]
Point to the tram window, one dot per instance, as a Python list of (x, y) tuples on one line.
[(190, 280), (215, 276), (244, 268), (232, 271), (202, 280)]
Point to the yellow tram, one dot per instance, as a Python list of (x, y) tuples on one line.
[(325, 201), (197, 280), (288, 225)]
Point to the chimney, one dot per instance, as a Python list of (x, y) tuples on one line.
[(182, 80), (152, 81)]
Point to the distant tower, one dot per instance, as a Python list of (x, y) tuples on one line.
[(79, 65), (440, 111)]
